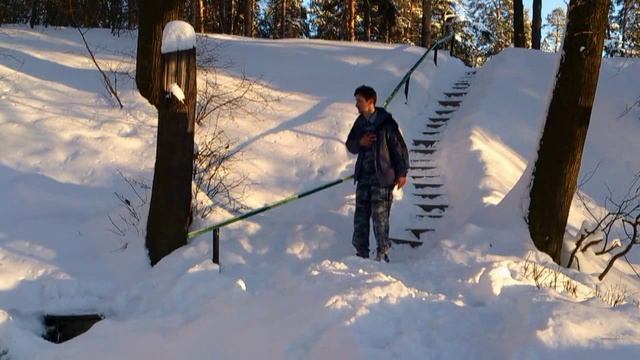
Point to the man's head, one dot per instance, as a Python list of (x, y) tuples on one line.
[(365, 99)]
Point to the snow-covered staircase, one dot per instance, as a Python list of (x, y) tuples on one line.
[(424, 180)]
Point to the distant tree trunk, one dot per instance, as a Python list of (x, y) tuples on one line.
[(225, 16), (198, 15), (170, 206), (623, 25), (89, 14), (518, 24), (367, 20), (34, 13), (115, 16), (248, 18), (232, 16), (153, 15), (536, 25), (132, 11), (426, 24), (561, 146), (351, 20), (283, 18)]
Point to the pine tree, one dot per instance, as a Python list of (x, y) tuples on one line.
[(628, 18), (327, 19), (488, 27), (556, 22), (295, 20)]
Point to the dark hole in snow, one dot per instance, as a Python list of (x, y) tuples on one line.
[(60, 328)]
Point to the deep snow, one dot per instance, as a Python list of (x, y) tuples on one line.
[(290, 286)]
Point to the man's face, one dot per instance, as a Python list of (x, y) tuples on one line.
[(363, 104)]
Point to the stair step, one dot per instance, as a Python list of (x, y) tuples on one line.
[(412, 243), (439, 119), (434, 126), (427, 143), (462, 83), (430, 216), (444, 112), (430, 208), (424, 186), (423, 151), (426, 173), (455, 103), (421, 159), (421, 167), (418, 232), (432, 133), (460, 87), (423, 177), (428, 196), (456, 94)]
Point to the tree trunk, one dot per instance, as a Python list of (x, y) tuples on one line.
[(367, 20), (248, 18), (153, 15), (170, 206), (115, 16), (34, 13), (623, 25), (536, 25), (232, 16), (225, 16), (426, 24), (283, 18), (351, 20), (132, 10), (561, 146), (201, 12), (518, 24)]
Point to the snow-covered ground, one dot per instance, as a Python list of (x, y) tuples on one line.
[(290, 286)]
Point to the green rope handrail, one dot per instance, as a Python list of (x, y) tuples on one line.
[(294, 197)]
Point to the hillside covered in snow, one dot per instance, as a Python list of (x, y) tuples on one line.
[(290, 285)]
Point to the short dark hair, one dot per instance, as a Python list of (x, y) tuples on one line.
[(366, 92)]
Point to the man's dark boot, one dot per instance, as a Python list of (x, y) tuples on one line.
[(381, 256)]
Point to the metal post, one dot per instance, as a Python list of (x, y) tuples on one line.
[(216, 246)]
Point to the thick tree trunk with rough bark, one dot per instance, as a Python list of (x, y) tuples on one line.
[(170, 206), (560, 153)]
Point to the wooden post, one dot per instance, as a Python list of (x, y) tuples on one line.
[(216, 246), (170, 207)]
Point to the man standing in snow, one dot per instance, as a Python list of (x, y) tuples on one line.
[(382, 163)]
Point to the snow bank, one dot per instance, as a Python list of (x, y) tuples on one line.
[(290, 286)]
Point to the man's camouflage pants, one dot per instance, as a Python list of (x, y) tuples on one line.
[(372, 201)]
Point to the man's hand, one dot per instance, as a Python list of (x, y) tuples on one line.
[(367, 139), (401, 181)]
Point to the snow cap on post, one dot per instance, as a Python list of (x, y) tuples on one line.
[(178, 35)]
